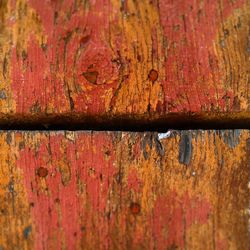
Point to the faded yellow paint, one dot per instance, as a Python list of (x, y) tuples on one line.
[(6, 103), (211, 156), (14, 207), (139, 31), (26, 25), (232, 47), (18, 23)]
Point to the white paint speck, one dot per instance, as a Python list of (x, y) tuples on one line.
[(164, 135)]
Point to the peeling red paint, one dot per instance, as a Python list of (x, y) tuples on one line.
[(222, 245), (174, 214), (91, 176), (81, 63), (64, 45), (133, 181), (27, 74), (66, 204), (193, 76), (96, 195)]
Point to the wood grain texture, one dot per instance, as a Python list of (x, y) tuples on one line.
[(114, 190), (142, 60)]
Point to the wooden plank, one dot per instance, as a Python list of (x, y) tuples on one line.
[(107, 60), (114, 190)]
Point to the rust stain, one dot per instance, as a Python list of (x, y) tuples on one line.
[(42, 172), (153, 75), (135, 208)]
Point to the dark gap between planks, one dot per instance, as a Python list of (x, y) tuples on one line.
[(123, 124)]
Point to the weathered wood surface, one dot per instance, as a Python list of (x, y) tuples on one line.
[(141, 60), (113, 190)]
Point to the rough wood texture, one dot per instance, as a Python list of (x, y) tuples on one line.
[(110, 59), (113, 190)]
